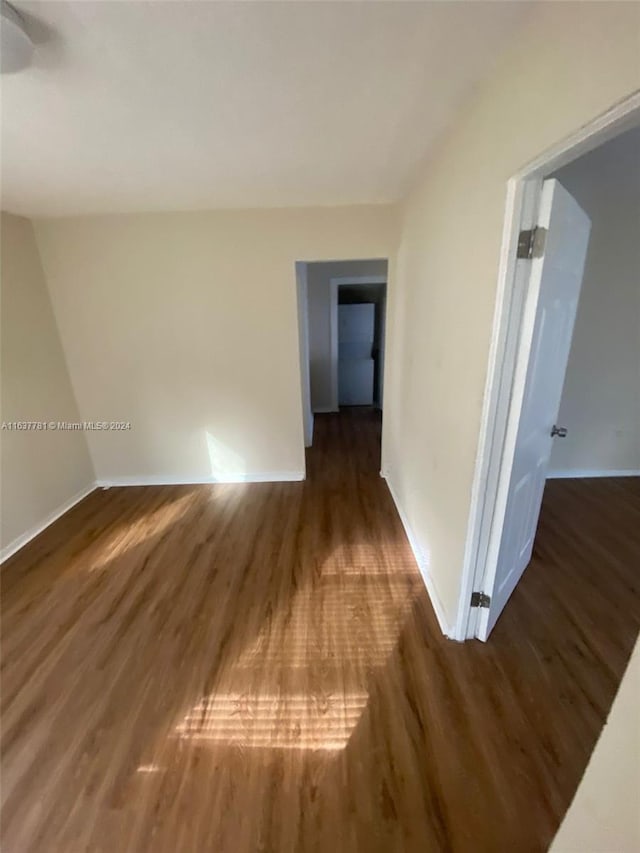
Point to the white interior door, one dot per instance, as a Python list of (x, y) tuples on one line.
[(549, 315)]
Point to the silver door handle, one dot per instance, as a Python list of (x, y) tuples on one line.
[(561, 432)]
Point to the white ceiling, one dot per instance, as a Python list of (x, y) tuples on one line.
[(139, 106)]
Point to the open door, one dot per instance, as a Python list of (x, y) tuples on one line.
[(556, 253)]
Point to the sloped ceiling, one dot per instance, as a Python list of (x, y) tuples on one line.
[(157, 106)]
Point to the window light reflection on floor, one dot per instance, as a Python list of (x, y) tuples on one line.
[(114, 544), (287, 721), (337, 624)]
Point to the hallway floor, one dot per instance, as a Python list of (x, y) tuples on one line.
[(241, 668)]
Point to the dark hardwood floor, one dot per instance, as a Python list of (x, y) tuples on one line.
[(238, 668)]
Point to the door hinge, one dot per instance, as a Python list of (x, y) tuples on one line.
[(531, 242), (479, 599)]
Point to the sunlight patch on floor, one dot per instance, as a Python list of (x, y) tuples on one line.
[(338, 629), (117, 543), (287, 721), (364, 560)]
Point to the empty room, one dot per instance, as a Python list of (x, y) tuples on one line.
[(320, 428)]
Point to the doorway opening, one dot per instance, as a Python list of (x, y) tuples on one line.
[(358, 316), (522, 439), (342, 310)]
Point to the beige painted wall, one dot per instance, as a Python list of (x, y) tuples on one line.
[(604, 814), (601, 396), (572, 63), (41, 470), (319, 291), (186, 325)]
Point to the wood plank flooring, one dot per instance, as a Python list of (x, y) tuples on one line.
[(240, 668)]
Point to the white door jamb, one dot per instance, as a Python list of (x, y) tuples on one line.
[(303, 348)]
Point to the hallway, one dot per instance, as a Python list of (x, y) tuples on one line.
[(257, 667)]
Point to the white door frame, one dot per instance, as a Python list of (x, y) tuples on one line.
[(303, 350), (523, 192), (334, 284)]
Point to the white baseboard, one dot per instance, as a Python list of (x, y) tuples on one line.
[(328, 410), (22, 540), (260, 477), (580, 474), (421, 560), (170, 480)]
